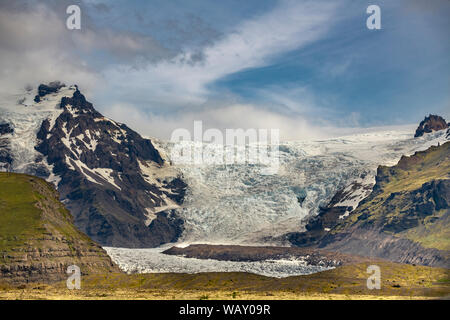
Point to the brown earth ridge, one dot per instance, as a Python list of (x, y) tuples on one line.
[(311, 256)]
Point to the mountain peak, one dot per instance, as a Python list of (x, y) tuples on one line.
[(430, 124), (112, 179), (118, 187)]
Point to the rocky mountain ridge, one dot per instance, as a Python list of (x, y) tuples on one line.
[(117, 186), (405, 218)]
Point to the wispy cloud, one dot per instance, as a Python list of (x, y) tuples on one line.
[(36, 46), (224, 117), (185, 81), (300, 65)]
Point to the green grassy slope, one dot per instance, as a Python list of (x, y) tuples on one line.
[(37, 235), (20, 219), (410, 200)]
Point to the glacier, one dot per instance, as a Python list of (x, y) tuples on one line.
[(243, 204)]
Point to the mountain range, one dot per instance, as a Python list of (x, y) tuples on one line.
[(123, 191)]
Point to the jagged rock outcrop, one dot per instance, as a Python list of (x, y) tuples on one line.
[(430, 124), (330, 215), (38, 240), (5, 152), (317, 227), (43, 89)]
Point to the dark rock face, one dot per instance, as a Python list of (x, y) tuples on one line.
[(327, 219), (43, 89), (430, 124), (408, 208), (100, 163), (5, 154), (431, 197), (5, 128), (165, 228)]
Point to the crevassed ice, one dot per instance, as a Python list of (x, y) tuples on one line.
[(241, 204), (238, 204)]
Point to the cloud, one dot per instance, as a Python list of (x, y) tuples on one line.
[(185, 81), (244, 116), (32, 50), (234, 116), (139, 82), (36, 47)]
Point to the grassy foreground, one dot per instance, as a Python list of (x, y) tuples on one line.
[(398, 281)]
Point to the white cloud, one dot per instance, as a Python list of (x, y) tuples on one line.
[(180, 82), (36, 47), (32, 51), (235, 116), (245, 116), (173, 94)]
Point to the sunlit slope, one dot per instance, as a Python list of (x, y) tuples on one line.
[(410, 200), (37, 238)]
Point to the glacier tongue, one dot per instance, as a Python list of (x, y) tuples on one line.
[(239, 204), (154, 261)]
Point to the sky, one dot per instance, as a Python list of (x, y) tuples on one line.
[(311, 69)]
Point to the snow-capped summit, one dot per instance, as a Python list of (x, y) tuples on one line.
[(117, 186)]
